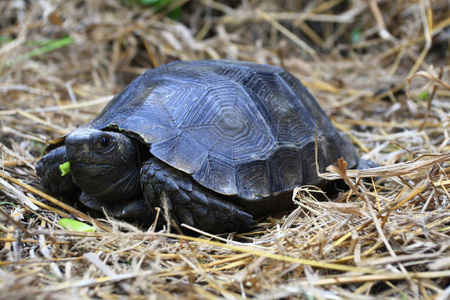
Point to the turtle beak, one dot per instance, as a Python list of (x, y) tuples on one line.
[(84, 165)]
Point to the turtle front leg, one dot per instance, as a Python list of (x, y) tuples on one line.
[(135, 210), (47, 169), (190, 203)]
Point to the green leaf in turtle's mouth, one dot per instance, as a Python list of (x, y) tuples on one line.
[(64, 168)]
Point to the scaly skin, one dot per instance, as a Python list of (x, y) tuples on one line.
[(135, 210), (48, 170), (190, 203)]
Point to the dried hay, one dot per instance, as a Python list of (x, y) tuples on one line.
[(379, 68)]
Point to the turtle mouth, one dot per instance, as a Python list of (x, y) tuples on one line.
[(105, 182), (89, 170)]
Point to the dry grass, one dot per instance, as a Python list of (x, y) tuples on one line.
[(379, 68)]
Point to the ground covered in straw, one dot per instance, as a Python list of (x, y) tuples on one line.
[(380, 69)]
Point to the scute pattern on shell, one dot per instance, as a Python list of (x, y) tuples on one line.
[(238, 128)]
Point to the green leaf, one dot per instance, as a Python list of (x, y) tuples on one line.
[(152, 2), (10, 203), (157, 6), (75, 225), (355, 36), (52, 45), (176, 14), (5, 39), (424, 96), (64, 168)]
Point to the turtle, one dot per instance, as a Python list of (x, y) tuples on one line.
[(216, 144)]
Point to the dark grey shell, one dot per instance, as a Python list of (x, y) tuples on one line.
[(237, 128)]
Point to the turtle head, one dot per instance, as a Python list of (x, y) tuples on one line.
[(104, 164)]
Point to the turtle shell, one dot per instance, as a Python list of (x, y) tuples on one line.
[(238, 128)]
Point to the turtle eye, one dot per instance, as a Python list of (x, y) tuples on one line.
[(103, 144)]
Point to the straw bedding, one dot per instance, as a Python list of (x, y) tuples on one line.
[(380, 69)]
